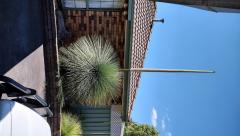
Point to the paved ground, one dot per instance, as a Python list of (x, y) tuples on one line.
[(21, 39), (21, 30)]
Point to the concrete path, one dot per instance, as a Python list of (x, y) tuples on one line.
[(21, 39)]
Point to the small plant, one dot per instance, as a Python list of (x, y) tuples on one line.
[(134, 129), (70, 125), (90, 71)]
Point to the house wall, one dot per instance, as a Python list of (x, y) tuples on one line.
[(109, 24)]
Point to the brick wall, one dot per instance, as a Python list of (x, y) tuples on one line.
[(109, 24)]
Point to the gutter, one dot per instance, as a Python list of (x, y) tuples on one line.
[(127, 59)]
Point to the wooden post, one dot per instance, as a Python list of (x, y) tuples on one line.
[(51, 65)]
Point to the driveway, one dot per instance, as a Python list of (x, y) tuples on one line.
[(21, 39)]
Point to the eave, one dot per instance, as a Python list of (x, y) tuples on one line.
[(127, 59)]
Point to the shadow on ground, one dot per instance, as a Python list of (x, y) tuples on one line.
[(21, 31)]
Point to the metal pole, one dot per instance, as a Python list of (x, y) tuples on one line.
[(159, 20), (166, 70)]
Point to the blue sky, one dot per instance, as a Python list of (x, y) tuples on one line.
[(192, 104)]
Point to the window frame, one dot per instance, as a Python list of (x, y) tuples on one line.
[(89, 8)]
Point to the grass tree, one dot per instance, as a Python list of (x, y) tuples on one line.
[(70, 125), (90, 71)]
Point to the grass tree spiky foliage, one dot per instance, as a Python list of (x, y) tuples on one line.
[(90, 71), (70, 125)]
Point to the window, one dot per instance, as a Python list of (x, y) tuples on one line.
[(93, 4)]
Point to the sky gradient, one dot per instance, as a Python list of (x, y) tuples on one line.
[(192, 104)]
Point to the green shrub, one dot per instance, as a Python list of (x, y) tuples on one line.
[(134, 129), (90, 71), (70, 125)]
